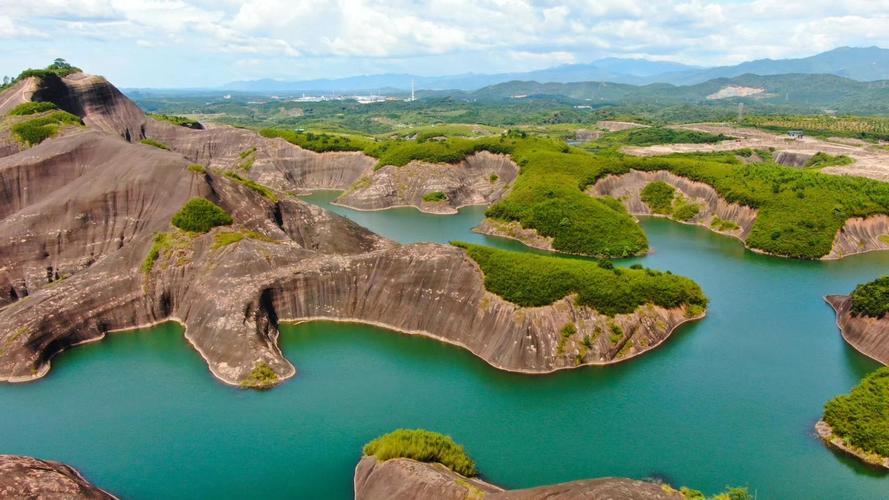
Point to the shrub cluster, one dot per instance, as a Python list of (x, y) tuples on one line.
[(200, 215), (435, 196), (649, 136), (861, 417), (154, 142), (262, 375), (41, 128), (30, 108), (871, 299), (266, 192), (423, 446), (537, 280), (658, 195), (177, 120)]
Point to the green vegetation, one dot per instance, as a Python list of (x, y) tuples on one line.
[(36, 130), (261, 376), (493, 178), (871, 299), (266, 192), (732, 493), (723, 225), (422, 446), (247, 158), (435, 196), (685, 210), (821, 160), (616, 333), (538, 280), (197, 168), (658, 196), (451, 150), (153, 142), (176, 120), (650, 136), (30, 108), (225, 238), (871, 128), (164, 245), (567, 331), (319, 143), (200, 215), (861, 418)]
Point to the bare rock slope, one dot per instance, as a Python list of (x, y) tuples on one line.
[(26, 477), (403, 479), (870, 336), (87, 248)]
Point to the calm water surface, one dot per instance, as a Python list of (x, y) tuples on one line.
[(728, 400)]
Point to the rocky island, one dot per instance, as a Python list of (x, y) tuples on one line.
[(408, 464), (27, 477), (116, 220)]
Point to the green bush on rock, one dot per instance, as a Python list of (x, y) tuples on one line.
[(861, 417), (423, 446), (871, 299), (538, 280), (658, 196), (200, 215)]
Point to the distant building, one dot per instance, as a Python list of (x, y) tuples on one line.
[(795, 134)]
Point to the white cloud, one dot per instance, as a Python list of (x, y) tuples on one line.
[(466, 34)]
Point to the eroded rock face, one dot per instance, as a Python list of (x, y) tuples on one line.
[(480, 179), (80, 212), (404, 479), (272, 162), (870, 336), (628, 189), (860, 236), (26, 477)]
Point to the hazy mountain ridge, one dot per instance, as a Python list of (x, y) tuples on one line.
[(855, 63)]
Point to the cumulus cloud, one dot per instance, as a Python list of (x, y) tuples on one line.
[(508, 34)]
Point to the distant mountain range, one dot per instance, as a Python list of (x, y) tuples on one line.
[(861, 64), (792, 91)]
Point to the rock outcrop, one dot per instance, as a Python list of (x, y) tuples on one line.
[(860, 236), (825, 432), (26, 477), (628, 188), (869, 336), (404, 479), (480, 179), (513, 230), (80, 215)]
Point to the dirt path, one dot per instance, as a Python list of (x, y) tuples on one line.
[(870, 160)]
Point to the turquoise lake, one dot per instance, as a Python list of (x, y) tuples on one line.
[(730, 400)]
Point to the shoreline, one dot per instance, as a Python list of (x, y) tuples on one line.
[(843, 332), (833, 441)]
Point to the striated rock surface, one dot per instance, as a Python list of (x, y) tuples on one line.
[(628, 188), (869, 336), (26, 477), (860, 236), (402, 478), (273, 162), (514, 231), (79, 215), (479, 179)]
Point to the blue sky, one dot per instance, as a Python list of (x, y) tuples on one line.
[(178, 43)]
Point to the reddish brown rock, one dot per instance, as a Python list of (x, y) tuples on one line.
[(26, 477)]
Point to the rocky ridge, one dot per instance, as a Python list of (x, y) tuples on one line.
[(26, 477)]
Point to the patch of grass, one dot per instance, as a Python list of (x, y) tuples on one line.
[(861, 417), (658, 195), (616, 333), (435, 196), (320, 143), (493, 178), (538, 280), (247, 158), (723, 225), (423, 446), (821, 160), (30, 108), (225, 238), (567, 331), (153, 142), (176, 120), (871, 299), (650, 136), (163, 245), (266, 192), (197, 168), (685, 210), (200, 215), (262, 375), (41, 128)]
